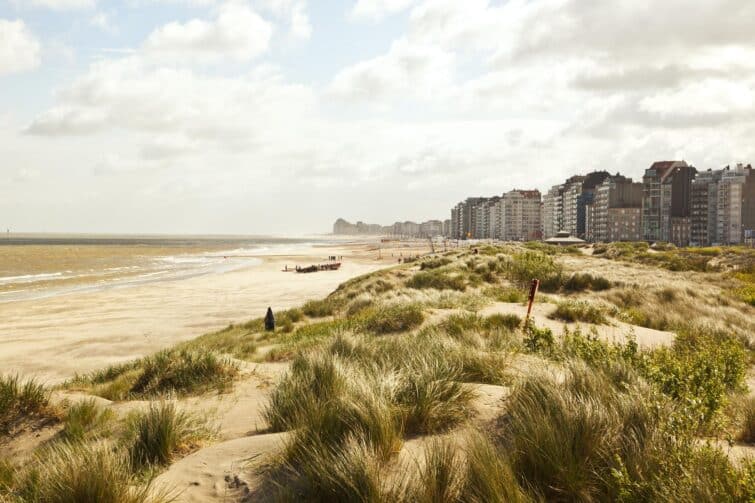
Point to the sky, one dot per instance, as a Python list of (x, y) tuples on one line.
[(279, 116)]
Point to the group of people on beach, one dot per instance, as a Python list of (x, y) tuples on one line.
[(334, 258)]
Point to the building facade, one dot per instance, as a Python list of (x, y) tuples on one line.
[(666, 202), (521, 218)]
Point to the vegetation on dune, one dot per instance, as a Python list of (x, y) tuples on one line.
[(319, 308), (172, 371), (161, 433), (747, 431), (580, 282), (574, 310), (83, 473), (437, 279), (21, 401), (391, 319), (84, 419), (523, 267)]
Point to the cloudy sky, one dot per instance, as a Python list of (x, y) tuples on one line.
[(277, 116)]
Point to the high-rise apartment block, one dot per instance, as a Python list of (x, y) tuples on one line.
[(667, 202), (615, 211)]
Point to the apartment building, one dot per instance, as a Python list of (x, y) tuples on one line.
[(704, 208), (521, 218), (735, 204), (552, 213), (666, 202), (615, 211)]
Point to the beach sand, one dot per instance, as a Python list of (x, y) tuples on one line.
[(55, 338)]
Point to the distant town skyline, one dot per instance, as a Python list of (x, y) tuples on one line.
[(278, 116)]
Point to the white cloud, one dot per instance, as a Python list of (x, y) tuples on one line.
[(103, 21), (237, 32), (19, 48), (407, 70), (62, 4), (376, 10)]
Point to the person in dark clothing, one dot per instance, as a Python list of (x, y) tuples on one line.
[(269, 320)]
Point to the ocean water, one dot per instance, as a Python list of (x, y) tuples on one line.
[(149, 259)]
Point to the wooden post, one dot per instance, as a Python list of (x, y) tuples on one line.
[(533, 291)]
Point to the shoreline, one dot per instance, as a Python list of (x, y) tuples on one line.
[(54, 338)]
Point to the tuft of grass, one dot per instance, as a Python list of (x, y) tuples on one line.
[(571, 311), (505, 294), (580, 282), (434, 263), (503, 321), (747, 432), (320, 308), (83, 418), (432, 397), (22, 400), (85, 473), (441, 474), (437, 279), (392, 319), (161, 433)]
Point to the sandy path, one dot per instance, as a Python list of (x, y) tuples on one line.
[(57, 337), (617, 331)]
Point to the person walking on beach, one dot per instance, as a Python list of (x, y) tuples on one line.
[(269, 320)]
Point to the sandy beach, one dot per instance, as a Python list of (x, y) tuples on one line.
[(54, 338)]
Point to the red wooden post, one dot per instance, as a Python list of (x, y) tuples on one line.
[(533, 292)]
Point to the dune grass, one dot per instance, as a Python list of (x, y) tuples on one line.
[(173, 371), (438, 279), (84, 473), (392, 318), (22, 400), (572, 311), (158, 435), (84, 420)]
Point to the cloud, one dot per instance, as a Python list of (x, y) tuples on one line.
[(406, 70), (376, 10), (19, 48), (61, 4), (102, 20), (236, 33)]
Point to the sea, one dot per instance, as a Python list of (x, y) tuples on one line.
[(35, 266)]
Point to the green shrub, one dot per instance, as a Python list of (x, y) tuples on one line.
[(538, 340), (571, 311), (701, 368), (392, 319), (21, 400), (161, 433), (438, 280), (529, 265)]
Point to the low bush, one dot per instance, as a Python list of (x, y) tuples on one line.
[(529, 265), (438, 280), (161, 433), (571, 311), (538, 340), (21, 400)]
